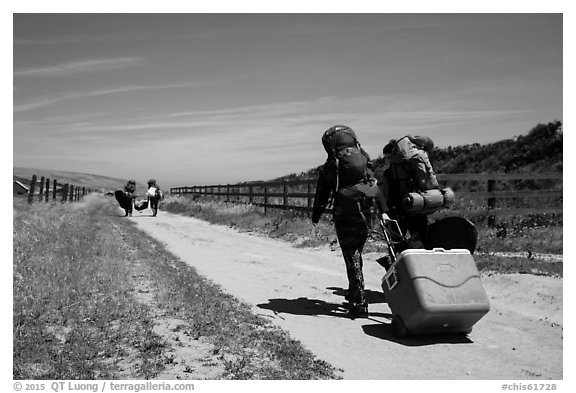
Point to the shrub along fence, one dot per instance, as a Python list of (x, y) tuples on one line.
[(41, 190), (491, 195)]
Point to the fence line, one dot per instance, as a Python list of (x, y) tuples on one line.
[(68, 192), (470, 188)]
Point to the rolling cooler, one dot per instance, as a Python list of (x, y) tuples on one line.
[(433, 291)]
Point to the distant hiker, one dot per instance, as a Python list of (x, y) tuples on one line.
[(347, 177), (407, 181), (130, 192), (154, 195)]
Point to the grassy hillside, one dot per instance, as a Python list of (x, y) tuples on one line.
[(540, 150), (79, 179)]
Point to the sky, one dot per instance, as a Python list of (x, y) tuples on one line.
[(216, 98)]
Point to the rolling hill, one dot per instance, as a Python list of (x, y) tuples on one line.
[(539, 151), (87, 180)]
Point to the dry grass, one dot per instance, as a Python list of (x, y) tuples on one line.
[(73, 314), (538, 234), (78, 312)]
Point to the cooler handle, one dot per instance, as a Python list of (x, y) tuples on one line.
[(391, 279)]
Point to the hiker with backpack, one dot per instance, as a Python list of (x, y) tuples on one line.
[(347, 180), (154, 195), (407, 181)]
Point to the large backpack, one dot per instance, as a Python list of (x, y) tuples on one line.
[(347, 156), (408, 195), (154, 192), (407, 153), (354, 186)]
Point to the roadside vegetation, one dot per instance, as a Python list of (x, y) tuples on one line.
[(524, 237), (80, 272)]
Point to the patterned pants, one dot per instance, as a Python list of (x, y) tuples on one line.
[(352, 233)]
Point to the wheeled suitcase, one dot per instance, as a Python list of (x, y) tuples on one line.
[(434, 291)]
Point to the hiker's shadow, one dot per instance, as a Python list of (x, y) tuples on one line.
[(305, 306), (314, 307), (370, 295)]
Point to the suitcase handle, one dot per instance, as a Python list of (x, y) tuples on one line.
[(391, 279)]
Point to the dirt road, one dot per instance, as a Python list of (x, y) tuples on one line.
[(302, 291)]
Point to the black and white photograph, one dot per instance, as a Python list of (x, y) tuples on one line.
[(320, 196)]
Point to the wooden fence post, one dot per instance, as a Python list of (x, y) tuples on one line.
[(47, 194), (54, 189), (41, 191), (65, 192), (32, 189), (71, 199), (285, 192), (265, 199), (250, 194)]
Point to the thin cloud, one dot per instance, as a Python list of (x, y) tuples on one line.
[(73, 96), (80, 67), (324, 108)]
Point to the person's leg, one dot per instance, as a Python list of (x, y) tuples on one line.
[(154, 205), (352, 235), (353, 262)]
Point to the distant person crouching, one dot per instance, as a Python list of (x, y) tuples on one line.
[(130, 190)]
